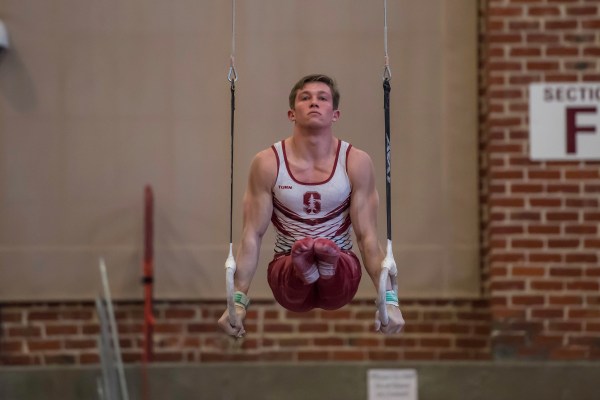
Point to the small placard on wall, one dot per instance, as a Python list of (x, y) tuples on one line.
[(564, 121), (392, 384)]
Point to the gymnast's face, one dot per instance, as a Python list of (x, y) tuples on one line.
[(313, 106)]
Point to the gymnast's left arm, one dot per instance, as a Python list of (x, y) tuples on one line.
[(363, 213)]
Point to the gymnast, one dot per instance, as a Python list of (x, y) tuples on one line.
[(315, 189)]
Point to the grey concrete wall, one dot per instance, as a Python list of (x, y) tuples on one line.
[(436, 381)]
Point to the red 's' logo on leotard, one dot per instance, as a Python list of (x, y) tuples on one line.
[(312, 202)]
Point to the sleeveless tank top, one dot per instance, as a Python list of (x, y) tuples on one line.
[(302, 209)]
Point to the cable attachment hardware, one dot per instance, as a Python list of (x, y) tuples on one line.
[(232, 76)]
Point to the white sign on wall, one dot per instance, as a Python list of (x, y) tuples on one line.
[(392, 384), (564, 121)]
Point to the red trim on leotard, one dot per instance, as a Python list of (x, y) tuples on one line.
[(287, 165)]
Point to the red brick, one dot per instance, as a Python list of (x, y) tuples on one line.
[(419, 328), (581, 258), (197, 328), (591, 188), (527, 300), (61, 330), (171, 328), (582, 202), (542, 38), (508, 202), (561, 216), (11, 346), (510, 339), (383, 355), (585, 313), (527, 188), (547, 285), (545, 257), (543, 229), (580, 37), (565, 300), (525, 216), (504, 12), (419, 355), (43, 345), (587, 10), (545, 202), (561, 25), (591, 216), (313, 327), (59, 359), (306, 315), (583, 286), (328, 341), (566, 272), (548, 313), (582, 229), (80, 344), (390, 341), (527, 243), (526, 51), (543, 11), (561, 51), (88, 358), (562, 188), (568, 354), (507, 286), (179, 313), (592, 243), (565, 326), (506, 230), (10, 316), (505, 94), (19, 359), (507, 257), (563, 243), (548, 340), (42, 316), (79, 315), (271, 314), (528, 271), (336, 315), (506, 174), (593, 272), (503, 312), (582, 174), (25, 331), (592, 327), (591, 24), (523, 79)]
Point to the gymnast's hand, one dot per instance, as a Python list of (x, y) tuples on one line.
[(237, 330), (395, 321)]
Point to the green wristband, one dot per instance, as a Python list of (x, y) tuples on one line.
[(241, 299), (391, 297)]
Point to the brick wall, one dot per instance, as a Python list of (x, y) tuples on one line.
[(540, 244), (542, 218), (66, 333)]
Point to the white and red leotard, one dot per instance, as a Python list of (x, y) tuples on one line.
[(315, 210)]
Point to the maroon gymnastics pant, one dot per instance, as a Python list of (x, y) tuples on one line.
[(329, 294)]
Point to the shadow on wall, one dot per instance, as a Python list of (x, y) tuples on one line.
[(16, 85)]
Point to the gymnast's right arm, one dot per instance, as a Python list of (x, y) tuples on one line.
[(258, 207)]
